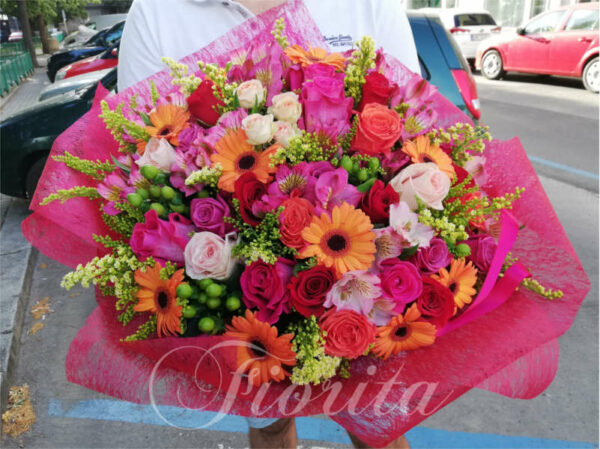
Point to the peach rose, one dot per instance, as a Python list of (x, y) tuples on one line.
[(159, 153), (283, 132), (250, 92), (209, 256), (259, 128), (286, 107)]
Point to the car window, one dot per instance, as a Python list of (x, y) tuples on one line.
[(545, 23), (583, 19), (465, 20), (114, 33)]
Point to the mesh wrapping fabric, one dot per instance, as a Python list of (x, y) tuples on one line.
[(511, 350)]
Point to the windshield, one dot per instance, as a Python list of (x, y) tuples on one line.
[(465, 20), (96, 38)]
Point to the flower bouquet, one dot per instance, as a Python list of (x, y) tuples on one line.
[(285, 218)]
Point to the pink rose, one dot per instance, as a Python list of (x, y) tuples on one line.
[(326, 107), (160, 239), (208, 215), (158, 153), (425, 181), (400, 281), (209, 256), (483, 247), (264, 287)]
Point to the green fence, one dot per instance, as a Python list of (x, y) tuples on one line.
[(15, 65)]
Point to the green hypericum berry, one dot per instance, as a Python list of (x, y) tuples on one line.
[(206, 324), (161, 178), (159, 208), (202, 298), (184, 291), (143, 193), (155, 192), (179, 209), (135, 199), (374, 163), (213, 303), (346, 163), (214, 290), (189, 312), (232, 303), (203, 194), (204, 283), (463, 250), (168, 193), (363, 175), (149, 172)]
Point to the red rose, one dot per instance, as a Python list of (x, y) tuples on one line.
[(377, 200), (349, 334), (436, 303), (378, 130), (309, 289), (248, 190), (377, 89), (297, 214), (202, 103)]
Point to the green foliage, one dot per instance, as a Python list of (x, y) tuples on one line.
[(361, 61), (96, 170), (50, 10), (306, 147), (208, 176), (464, 139), (277, 33), (118, 125), (145, 330)]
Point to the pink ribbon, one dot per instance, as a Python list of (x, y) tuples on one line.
[(493, 291)]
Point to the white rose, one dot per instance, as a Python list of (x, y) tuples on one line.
[(425, 181), (258, 128), (250, 92), (286, 107), (209, 256), (158, 153), (283, 132)]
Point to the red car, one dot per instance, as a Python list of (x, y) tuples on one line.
[(105, 60), (561, 42)]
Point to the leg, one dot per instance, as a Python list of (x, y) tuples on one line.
[(280, 434), (399, 443)]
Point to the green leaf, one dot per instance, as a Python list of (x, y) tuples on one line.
[(120, 165), (408, 252)]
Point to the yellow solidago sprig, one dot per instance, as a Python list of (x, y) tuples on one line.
[(531, 283), (464, 139), (179, 72), (308, 147), (119, 126), (209, 176), (96, 170), (113, 274), (313, 366), (277, 33), (64, 195), (361, 61), (222, 90)]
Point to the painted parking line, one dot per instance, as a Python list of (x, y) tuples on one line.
[(563, 167), (308, 428)]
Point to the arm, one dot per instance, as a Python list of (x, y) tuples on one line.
[(139, 55)]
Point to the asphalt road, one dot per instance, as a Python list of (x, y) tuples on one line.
[(555, 118), (558, 123)]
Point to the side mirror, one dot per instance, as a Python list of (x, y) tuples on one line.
[(521, 31)]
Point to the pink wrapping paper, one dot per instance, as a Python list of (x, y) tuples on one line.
[(511, 350)]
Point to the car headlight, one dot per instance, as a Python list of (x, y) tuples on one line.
[(62, 73)]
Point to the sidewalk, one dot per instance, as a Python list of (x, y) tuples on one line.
[(16, 255)]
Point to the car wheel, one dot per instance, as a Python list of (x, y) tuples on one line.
[(33, 176), (491, 65), (591, 79)]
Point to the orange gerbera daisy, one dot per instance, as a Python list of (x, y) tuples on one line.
[(265, 353), (344, 241), (403, 333), (237, 156), (460, 280), (299, 55), (159, 296), (422, 150), (168, 121)]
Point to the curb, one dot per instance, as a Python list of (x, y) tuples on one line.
[(17, 261)]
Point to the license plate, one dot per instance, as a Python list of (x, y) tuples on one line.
[(479, 36)]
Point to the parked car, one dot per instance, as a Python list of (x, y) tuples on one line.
[(468, 27), (562, 42), (26, 137), (442, 63), (81, 36), (106, 60), (97, 45), (72, 83)]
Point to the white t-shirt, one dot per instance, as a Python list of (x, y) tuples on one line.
[(177, 28)]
